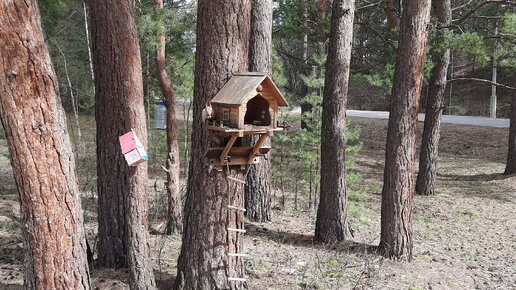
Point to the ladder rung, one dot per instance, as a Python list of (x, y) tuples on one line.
[(237, 255), (237, 180), (236, 279), (235, 207), (236, 230)]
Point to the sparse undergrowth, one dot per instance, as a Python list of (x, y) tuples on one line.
[(463, 236)]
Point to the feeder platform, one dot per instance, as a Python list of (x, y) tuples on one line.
[(239, 155)]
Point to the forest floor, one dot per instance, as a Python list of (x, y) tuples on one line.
[(464, 236)]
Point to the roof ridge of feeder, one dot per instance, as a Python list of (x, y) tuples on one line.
[(251, 73), (238, 88)]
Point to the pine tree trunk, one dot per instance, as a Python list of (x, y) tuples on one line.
[(392, 18), (510, 168), (398, 188), (123, 204), (332, 221), (258, 186), (321, 11), (425, 184), (305, 107), (260, 45), (223, 32), (41, 154), (174, 216)]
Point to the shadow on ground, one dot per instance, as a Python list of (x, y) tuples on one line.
[(301, 240), (476, 177), (164, 280), (10, 286)]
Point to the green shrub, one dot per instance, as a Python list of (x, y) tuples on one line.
[(2, 133), (10, 226)]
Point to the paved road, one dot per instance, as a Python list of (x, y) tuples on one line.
[(448, 119)]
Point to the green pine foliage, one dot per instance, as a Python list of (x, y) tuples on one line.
[(177, 21), (63, 22), (507, 50), (473, 45), (288, 33), (297, 156)]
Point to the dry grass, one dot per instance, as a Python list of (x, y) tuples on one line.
[(464, 236)]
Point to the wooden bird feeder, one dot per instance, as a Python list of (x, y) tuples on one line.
[(246, 105)]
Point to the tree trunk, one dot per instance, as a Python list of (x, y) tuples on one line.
[(321, 11), (392, 18), (258, 181), (305, 106), (332, 221), (258, 187), (223, 32), (260, 46), (398, 186), (87, 32), (510, 168), (174, 217), (123, 204), (41, 154), (494, 69), (425, 184)]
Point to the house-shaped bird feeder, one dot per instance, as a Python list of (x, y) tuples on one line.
[(246, 105)]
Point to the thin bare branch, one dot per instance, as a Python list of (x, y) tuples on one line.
[(365, 24), (512, 3), (370, 5), (288, 54), (74, 107), (355, 71), (483, 81), (462, 6)]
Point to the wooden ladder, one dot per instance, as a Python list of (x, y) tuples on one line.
[(236, 231)]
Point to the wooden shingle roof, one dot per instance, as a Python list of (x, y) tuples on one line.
[(240, 87)]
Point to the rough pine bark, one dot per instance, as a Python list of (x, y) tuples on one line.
[(258, 186), (425, 184), (41, 154), (510, 167), (321, 18), (398, 187), (223, 31), (123, 204), (174, 215), (332, 222)]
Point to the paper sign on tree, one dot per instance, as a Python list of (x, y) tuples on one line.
[(132, 149)]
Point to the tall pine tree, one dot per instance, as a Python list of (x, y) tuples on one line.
[(223, 31), (427, 175), (398, 180), (332, 223), (258, 182), (123, 203), (41, 154)]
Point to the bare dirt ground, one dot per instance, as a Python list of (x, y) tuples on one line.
[(464, 236)]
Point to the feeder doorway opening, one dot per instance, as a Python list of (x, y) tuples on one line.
[(257, 112)]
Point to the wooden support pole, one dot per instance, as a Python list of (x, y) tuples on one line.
[(256, 148)]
